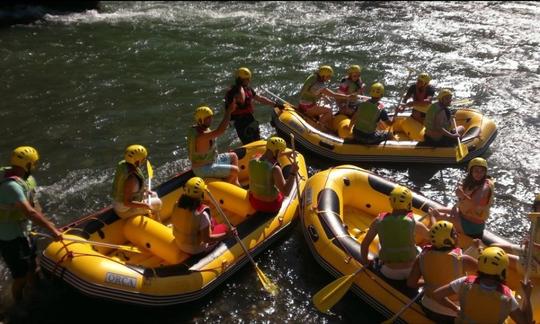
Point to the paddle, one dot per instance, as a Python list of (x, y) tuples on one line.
[(532, 233), (334, 291), (150, 171), (403, 94), (296, 178), (396, 315), (269, 286), (103, 244), (275, 96), (461, 150)]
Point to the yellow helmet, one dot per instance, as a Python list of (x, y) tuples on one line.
[(376, 90), (195, 187), (477, 162), (493, 261), (326, 71), (444, 93), (243, 73), (135, 153), (401, 198), (202, 113), (276, 144), (424, 78), (354, 69), (441, 235), (25, 157)]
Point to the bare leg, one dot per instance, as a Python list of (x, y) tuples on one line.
[(233, 177)]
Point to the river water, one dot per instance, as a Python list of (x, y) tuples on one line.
[(81, 87)]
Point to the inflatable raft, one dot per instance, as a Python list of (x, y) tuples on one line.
[(145, 266), (407, 147), (339, 205)]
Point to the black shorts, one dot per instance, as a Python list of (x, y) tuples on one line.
[(247, 128), (18, 256)]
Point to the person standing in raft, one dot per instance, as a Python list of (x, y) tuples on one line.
[(194, 230), (485, 298), (352, 84), (202, 147), (475, 197), (16, 208), (397, 231), (367, 117), (438, 123), (312, 90), (439, 264), (129, 185), (266, 181), (241, 97), (422, 93)]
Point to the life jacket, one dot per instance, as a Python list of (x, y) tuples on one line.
[(186, 225), (261, 179), (308, 95), (30, 182), (368, 115), (431, 262), (8, 212), (470, 210), (432, 112), (246, 107), (198, 158), (396, 234), (479, 305), (349, 86), (123, 171)]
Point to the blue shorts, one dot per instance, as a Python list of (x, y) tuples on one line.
[(472, 229), (221, 168)]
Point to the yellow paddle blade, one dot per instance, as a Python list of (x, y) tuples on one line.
[(462, 102), (149, 169), (332, 293), (461, 151), (267, 284)]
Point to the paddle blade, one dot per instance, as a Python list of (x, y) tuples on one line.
[(267, 284), (332, 293), (149, 169), (461, 151)]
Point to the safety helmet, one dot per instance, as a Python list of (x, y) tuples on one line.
[(195, 187), (401, 198), (276, 144), (243, 73), (376, 90), (441, 235), (354, 69), (493, 261), (326, 71), (202, 113), (25, 157), (477, 162), (135, 153), (424, 78), (444, 93)]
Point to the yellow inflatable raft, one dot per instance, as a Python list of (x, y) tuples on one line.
[(146, 267), (339, 205), (407, 147)]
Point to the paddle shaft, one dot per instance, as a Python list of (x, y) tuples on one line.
[(275, 96), (296, 178), (458, 139), (396, 315), (103, 244), (222, 213)]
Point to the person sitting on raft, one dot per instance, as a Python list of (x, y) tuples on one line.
[(314, 87), (366, 119), (397, 231), (351, 84), (266, 181), (195, 231), (438, 123), (422, 93), (438, 264), (475, 197)]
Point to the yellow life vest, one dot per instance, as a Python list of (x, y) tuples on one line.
[(473, 212), (479, 305), (432, 261), (186, 225)]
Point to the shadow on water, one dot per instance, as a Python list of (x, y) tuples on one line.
[(14, 12)]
